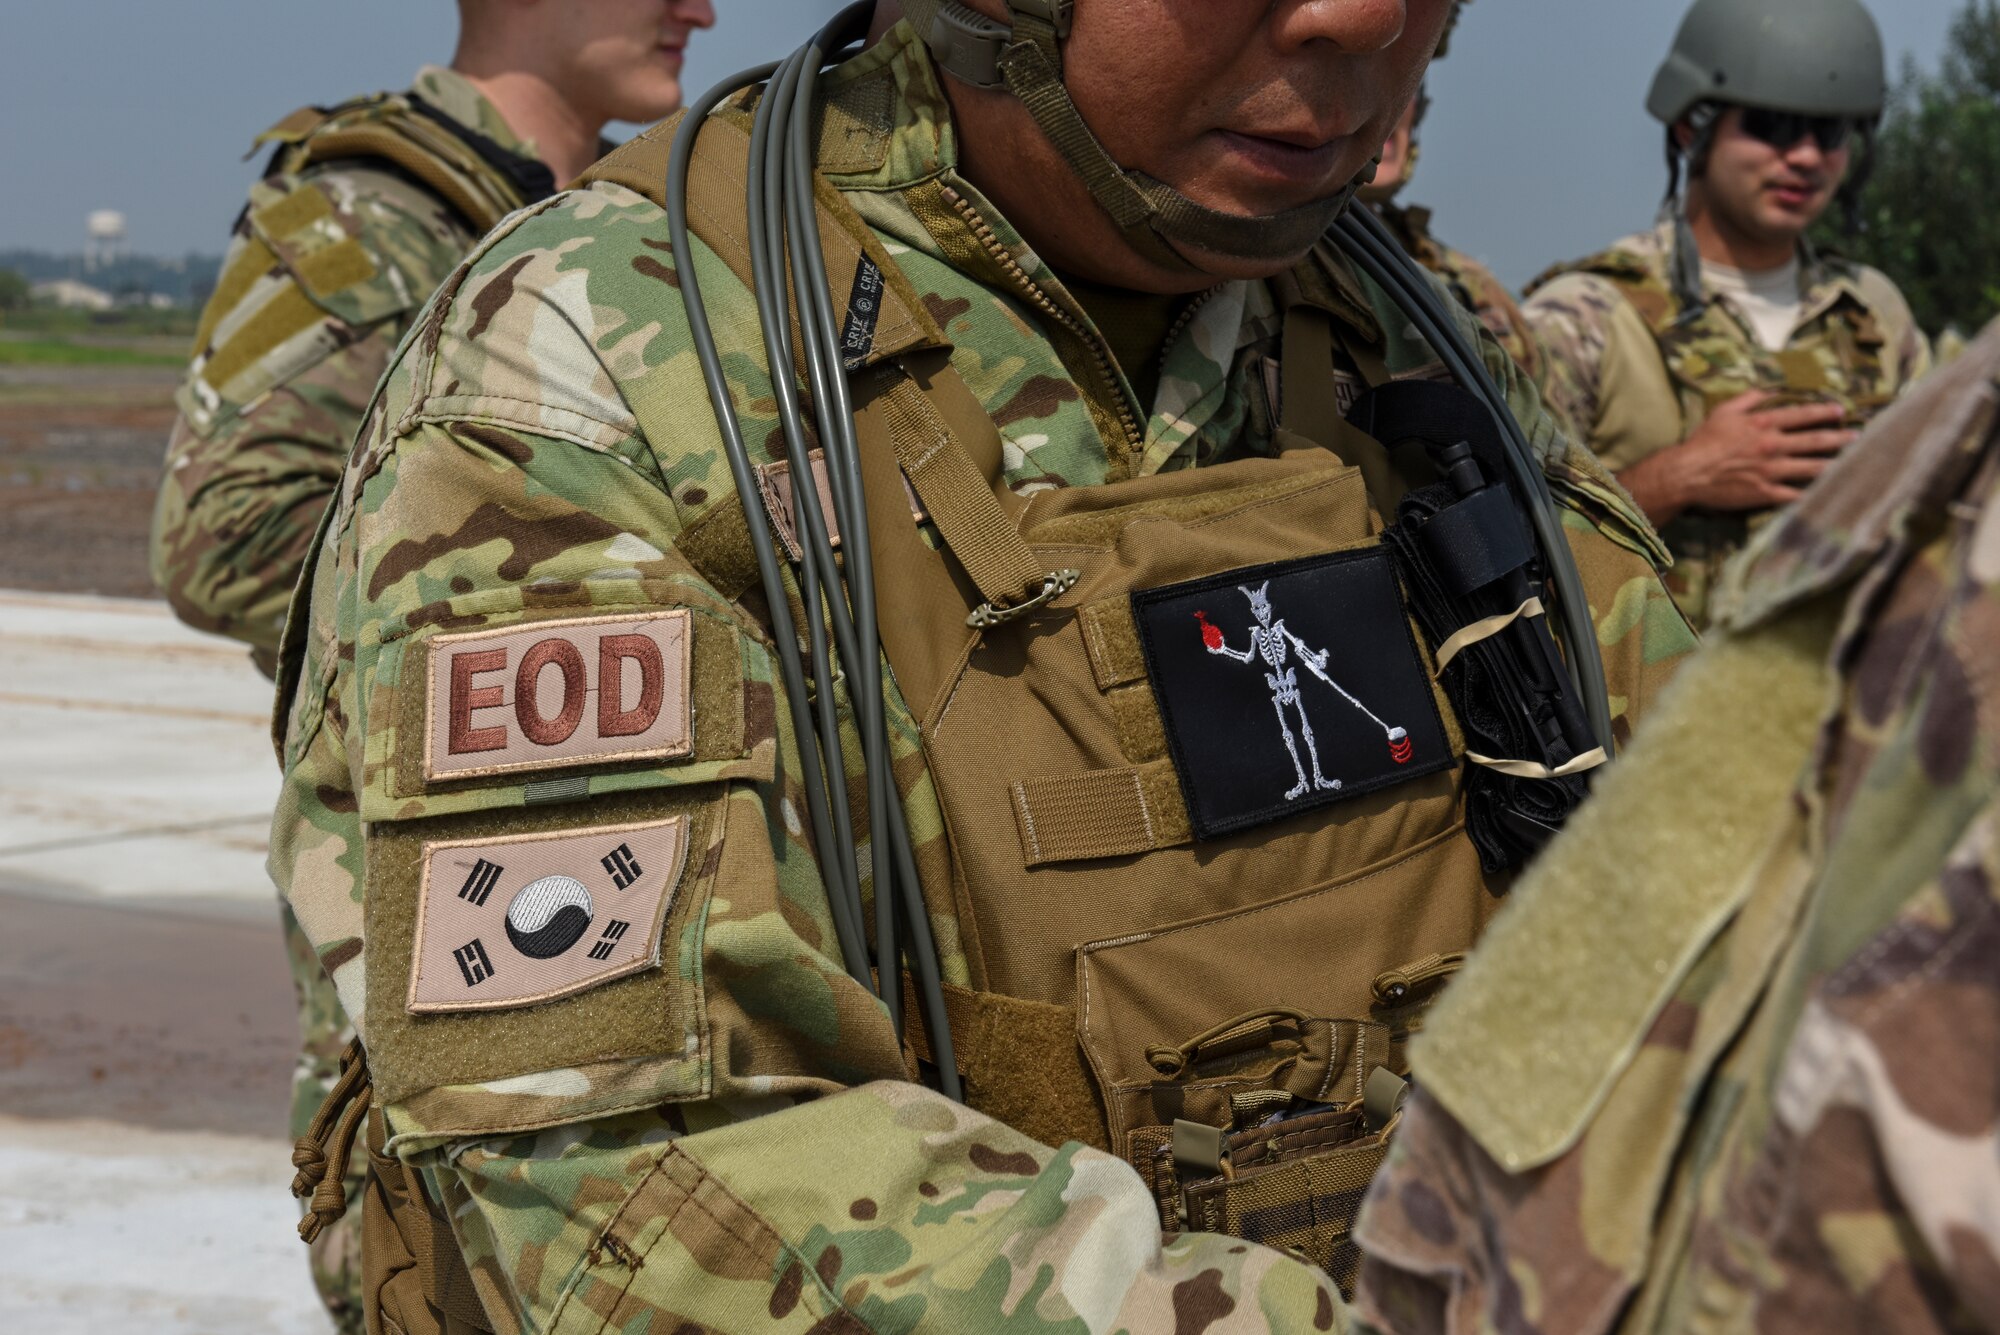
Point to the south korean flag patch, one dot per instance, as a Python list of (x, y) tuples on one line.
[(1288, 687), (514, 921)]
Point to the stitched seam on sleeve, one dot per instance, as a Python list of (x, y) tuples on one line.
[(523, 415)]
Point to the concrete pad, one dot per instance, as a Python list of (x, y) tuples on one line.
[(106, 1227), (138, 763)]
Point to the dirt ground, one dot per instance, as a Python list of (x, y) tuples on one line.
[(80, 452), (171, 1021)]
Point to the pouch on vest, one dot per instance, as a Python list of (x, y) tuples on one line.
[(413, 1277)]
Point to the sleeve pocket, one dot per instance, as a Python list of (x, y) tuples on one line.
[(545, 795)]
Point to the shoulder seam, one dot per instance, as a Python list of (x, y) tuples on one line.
[(424, 339)]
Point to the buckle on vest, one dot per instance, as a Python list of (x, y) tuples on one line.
[(1054, 585)]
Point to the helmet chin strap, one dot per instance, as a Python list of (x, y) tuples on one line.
[(1158, 221)]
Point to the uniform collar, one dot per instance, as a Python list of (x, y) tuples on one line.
[(1823, 280)]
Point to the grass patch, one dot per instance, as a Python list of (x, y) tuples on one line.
[(63, 352)]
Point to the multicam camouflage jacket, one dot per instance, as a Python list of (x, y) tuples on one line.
[(1476, 287), (362, 213), (1775, 932), (688, 1112), (1634, 376)]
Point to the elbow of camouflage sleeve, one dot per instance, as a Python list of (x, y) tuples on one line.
[(882, 1207), (226, 556)]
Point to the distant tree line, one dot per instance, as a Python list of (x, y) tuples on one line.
[(1930, 214), (187, 281)]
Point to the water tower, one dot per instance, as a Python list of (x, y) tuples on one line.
[(105, 243)]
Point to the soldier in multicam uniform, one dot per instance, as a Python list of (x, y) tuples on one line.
[(1719, 361), (1475, 286), (1728, 1064), (544, 814), (361, 212)]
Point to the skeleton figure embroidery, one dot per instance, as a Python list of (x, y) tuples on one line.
[(1274, 643)]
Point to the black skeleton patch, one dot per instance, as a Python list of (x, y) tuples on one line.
[(1286, 687)]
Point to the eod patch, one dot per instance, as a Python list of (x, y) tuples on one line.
[(1289, 686)]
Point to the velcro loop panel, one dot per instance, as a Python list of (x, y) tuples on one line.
[(1021, 1063), (1479, 539), (298, 210), (649, 1014), (1105, 813), (250, 262), (335, 268), (1142, 736), (287, 315)]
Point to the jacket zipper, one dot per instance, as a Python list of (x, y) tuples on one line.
[(1026, 286)]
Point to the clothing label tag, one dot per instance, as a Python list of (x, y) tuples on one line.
[(1286, 687), (510, 922), (553, 694), (864, 309)]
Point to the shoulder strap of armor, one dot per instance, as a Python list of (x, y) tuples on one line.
[(1644, 284), (392, 128)]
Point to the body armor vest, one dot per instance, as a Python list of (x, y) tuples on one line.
[(1710, 358), (1206, 821)]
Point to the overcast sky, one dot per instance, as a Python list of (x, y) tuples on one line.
[(1538, 148)]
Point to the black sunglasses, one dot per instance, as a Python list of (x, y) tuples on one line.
[(1782, 129)]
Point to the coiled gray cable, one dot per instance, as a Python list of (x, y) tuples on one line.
[(837, 590)]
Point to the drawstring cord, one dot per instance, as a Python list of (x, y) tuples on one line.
[(321, 1155)]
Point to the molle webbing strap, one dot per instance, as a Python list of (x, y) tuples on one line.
[(1106, 813), (949, 450), (1310, 405)]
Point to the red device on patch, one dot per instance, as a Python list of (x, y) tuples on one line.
[(1210, 635)]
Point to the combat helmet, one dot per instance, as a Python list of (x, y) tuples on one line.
[(1025, 57), (1813, 57)]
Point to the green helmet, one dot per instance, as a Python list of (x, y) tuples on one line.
[(1814, 57)]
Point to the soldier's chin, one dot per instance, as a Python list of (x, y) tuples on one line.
[(1226, 267)]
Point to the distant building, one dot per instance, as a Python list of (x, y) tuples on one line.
[(71, 295)]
